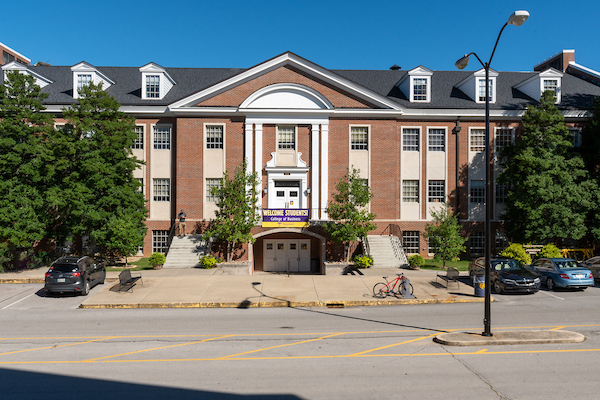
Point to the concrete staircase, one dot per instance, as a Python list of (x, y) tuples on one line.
[(185, 251), (386, 251)]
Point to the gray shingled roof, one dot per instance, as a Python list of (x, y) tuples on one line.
[(576, 93)]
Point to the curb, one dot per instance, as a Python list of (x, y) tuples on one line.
[(508, 338), (275, 304)]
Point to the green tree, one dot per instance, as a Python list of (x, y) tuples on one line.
[(96, 192), (25, 162), (444, 235), (590, 151), (551, 191), (348, 210), (516, 251), (238, 209)]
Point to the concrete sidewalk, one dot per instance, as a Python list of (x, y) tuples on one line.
[(196, 288)]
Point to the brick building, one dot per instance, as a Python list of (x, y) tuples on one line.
[(9, 55), (417, 137)]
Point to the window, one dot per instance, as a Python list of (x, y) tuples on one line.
[(214, 137), (410, 191), (432, 245), (437, 191), (552, 85), (481, 90), (286, 137), (138, 143), (410, 139), (83, 80), (410, 241), (477, 140), (160, 241), (501, 242), (162, 137), (420, 89), (477, 243), (576, 134), (7, 57), (141, 186), (501, 193), (162, 189), (477, 192), (212, 183), (437, 139), (359, 138), (504, 137), (152, 86)]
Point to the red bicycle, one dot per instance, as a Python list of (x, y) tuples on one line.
[(397, 287)]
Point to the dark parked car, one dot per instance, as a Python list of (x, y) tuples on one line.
[(74, 274), (563, 273), (507, 275)]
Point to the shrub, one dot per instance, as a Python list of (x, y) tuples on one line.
[(362, 261), (549, 251), (209, 261), (416, 260), (517, 252), (157, 259)]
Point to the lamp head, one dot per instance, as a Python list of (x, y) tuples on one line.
[(462, 62), (518, 18)]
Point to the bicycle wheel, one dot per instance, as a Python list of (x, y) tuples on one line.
[(381, 290), (399, 292)]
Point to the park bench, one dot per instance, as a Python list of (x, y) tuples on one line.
[(451, 275), (127, 281)]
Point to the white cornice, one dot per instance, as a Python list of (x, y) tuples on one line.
[(19, 55), (300, 63), (16, 66)]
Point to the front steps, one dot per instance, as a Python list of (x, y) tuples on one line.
[(386, 251), (185, 251)]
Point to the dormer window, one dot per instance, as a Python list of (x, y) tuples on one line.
[(40, 80), (474, 86), (549, 79), (550, 84), (416, 85), (156, 82), (481, 86), (84, 74)]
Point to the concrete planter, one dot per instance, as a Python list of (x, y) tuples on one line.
[(336, 268), (235, 268)]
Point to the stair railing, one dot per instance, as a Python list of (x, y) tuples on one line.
[(392, 230), (170, 238)]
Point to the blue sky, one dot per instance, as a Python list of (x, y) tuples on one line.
[(348, 34)]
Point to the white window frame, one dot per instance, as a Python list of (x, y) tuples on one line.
[(209, 143), (437, 147), (138, 143), (410, 147), (161, 144), (152, 89), (160, 241), (210, 183), (477, 191), (474, 145), (413, 87), (295, 136), (161, 189), (499, 145), (356, 134), (480, 85), (412, 237), (409, 194), (81, 83), (433, 191)]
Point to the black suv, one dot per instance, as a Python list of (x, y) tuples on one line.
[(74, 274)]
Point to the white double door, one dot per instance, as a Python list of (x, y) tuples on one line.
[(287, 194), (281, 254)]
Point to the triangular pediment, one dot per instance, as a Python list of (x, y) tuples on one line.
[(296, 94)]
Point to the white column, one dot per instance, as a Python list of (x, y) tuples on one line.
[(324, 168), (248, 149), (314, 172), (258, 142)]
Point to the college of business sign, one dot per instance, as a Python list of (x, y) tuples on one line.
[(285, 218)]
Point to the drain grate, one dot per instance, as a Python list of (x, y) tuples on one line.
[(334, 305)]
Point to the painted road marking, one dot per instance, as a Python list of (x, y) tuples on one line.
[(550, 294), (57, 346), (18, 301)]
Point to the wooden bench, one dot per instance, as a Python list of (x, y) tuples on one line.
[(127, 281), (451, 275)]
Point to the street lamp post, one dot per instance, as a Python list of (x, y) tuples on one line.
[(517, 19)]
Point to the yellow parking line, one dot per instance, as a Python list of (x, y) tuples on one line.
[(557, 328), (392, 345), (56, 346), (281, 345), (156, 348)]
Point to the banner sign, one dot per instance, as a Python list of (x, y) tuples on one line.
[(285, 218)]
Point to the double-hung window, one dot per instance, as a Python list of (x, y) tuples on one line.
[(481, 90), (83, 80), (286, 137), (410, 139), (410, 241), (410, 191), (138, 142), (552, 85), (210, 184), (152, 86), (436, 191), (214, 137), (501, 192), (437, 139), (160, 241), (576, 135), (477, 242), (477, 140), (162, 189), (420, 89), (162, 137), (504, 137), (359, 138), (477, 191)]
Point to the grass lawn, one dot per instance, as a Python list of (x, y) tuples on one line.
[(459, 265), (140, 265)]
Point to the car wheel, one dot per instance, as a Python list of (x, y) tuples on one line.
[(86, 288), (498, 287), (550, 284)]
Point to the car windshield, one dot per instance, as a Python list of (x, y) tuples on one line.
[(64, 268), (507, 265), (566, 264)]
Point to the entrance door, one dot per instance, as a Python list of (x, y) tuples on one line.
[(286, 255), (287, 194)]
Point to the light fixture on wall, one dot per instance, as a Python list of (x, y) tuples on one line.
[(307, 192), (265, 190)]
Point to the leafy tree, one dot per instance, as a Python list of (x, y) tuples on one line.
[(238, 210), (96, 192), (516, 252), (551, 191), (549, 251), (590, 151), (24, 164), (348, 210), (444, 235)]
